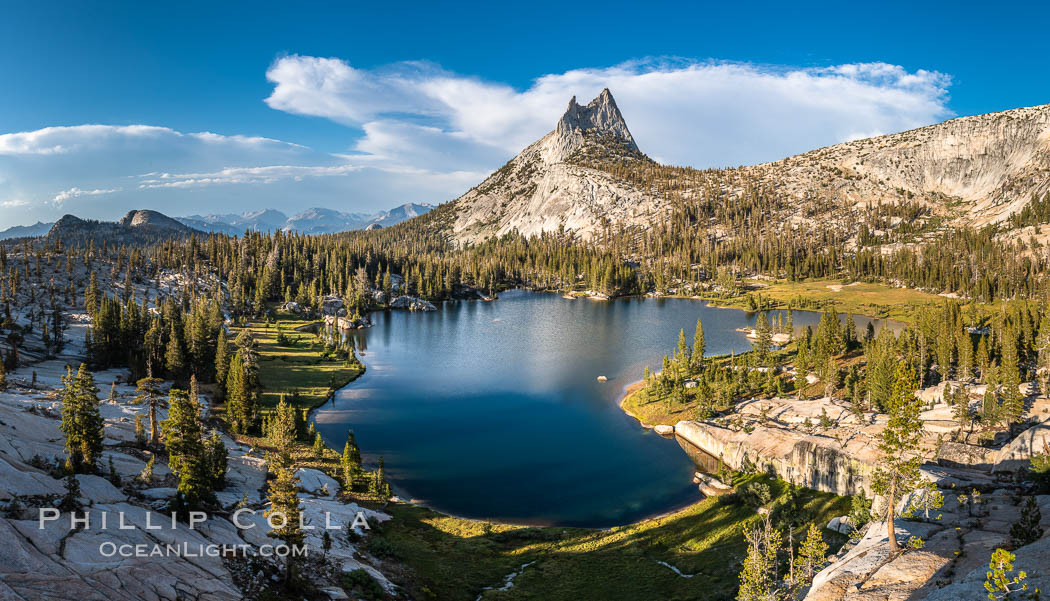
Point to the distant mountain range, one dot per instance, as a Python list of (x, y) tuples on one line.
[(26, 231), (310, 221)]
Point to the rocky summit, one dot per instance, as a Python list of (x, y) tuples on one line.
[(546, 188)]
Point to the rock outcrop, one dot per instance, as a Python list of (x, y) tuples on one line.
[(412, 304), (951, 565), (1018, 452), (811, 461), (820, 444)]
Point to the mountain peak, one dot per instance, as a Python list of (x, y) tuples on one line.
[(600, 117), (153, 219)]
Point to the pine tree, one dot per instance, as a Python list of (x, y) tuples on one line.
[(82, 425), (174, 359), (1012, 407), (984, 360), (91, 295), (759, 579), (319, 446), (965, 350), (148, 390), (961, 406), (881, 361), (849, 333), (3, 378), (699, 346), (763, 337), (682, 353), (829, 375), (812, 553), (900, 439), (187, 456), (1027, 529), (241, 396), (235, 395), (71, 500), (944, 345), (282, 434), (217, 460), (1042, 348), (222, 359), (998, 581), (379, 486), (140, 431), (351, 461), (285, 514)]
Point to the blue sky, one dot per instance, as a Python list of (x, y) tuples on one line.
[(222, 107)]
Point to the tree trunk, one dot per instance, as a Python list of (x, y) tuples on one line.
[(890, 508), (153, 435)]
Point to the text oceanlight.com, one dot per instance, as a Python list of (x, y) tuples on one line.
[(110, 549)]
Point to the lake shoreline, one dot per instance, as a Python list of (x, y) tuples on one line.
[(629, 390)]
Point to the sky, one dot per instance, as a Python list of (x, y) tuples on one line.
[(224, 107)]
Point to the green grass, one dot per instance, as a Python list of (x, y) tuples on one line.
[(859, 298), (454, 559), (660, 411), (299, 366)]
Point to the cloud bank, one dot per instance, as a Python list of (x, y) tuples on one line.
[(415, 132), (704, 114)]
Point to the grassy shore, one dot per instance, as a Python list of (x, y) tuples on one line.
[(858, 298), (298, 367), (653, 413), (455, 559)]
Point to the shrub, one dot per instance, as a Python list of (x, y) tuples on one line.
[(1026, 530), (755, 494), (1039, 472), (362, 584), (381, 547)]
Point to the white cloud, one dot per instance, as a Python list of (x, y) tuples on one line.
[(75, 192), (415, 132), (243, 175), (77, 138), (687, 112), (111, 169)]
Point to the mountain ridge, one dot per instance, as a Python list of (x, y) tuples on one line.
[(588, 175), (141, 226), (310, 221), (315, 220)]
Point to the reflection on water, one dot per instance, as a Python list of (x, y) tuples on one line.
[(704, 462)]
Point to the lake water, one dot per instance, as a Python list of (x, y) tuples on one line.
[(493, 409)]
